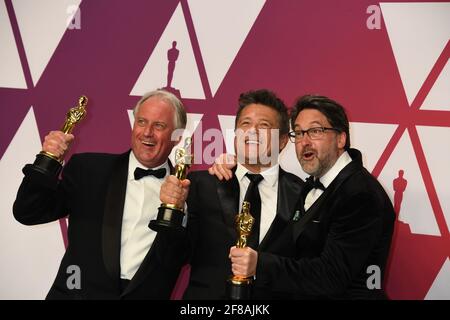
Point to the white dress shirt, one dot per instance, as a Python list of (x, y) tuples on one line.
[(327, 178), (141, 206), (268, 190)]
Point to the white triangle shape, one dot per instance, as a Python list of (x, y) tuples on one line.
[(418, 33), (440, 290), (227, 127), (221, 27), (362, 137), (439, 96), (193, 120), (42, 24), (416, 207), (11, 75), (438, 158), (27, 270), (131, 117), (289, 162), (185, 75)]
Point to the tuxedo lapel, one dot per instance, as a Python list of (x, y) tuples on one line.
[(288, 195), (171, 167), (331, 192), (112, 217), (228, 193)]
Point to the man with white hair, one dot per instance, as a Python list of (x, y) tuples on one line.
[(109, 200)]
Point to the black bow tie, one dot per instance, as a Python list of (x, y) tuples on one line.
[(140, 173), (312, 183)]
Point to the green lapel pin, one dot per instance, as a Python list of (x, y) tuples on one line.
[(296, 215)]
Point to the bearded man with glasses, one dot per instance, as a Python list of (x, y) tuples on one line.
[(346, 225)]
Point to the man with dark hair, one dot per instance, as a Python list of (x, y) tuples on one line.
[(109, 200), (266, 98), (334, 112), (212, 204), (344, 223), (347, 221)]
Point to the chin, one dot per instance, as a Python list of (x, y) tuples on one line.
[(251, 161), (308, 169)]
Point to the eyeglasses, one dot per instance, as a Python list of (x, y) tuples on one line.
[(313, 133)]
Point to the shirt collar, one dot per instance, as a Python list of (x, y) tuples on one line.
[(340, 164), (270, 175)]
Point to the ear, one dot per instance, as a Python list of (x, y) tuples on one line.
[(342, 138), (283, 141)]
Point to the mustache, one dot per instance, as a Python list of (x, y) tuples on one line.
[(306, 150)]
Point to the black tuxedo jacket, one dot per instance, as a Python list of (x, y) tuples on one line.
[(212, 207), (347, 230), (92, 194)]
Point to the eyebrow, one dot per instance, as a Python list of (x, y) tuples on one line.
[(311, 124), (250, 118), (146, 120)]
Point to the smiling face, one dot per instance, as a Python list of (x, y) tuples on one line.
[(257, 141), (317, 156), (151, 137)]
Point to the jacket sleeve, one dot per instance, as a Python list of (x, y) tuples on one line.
[(42, 198)]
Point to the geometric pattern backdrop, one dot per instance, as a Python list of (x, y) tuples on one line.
[(387, 63)]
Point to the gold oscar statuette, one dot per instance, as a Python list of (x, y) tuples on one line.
[(170, 216), (47, 162), (239, 288)]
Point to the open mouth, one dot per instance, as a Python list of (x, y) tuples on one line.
[(148, 143), (308, 155), (252, 139)]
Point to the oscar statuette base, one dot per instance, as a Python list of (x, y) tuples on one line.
[(169, 219), (239, 288)]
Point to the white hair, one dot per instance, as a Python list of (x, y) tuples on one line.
[(180, 118)]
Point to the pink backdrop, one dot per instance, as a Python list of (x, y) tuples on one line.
[(387, 63)]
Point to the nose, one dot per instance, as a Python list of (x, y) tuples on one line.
[(148, 131), (250, 132), (305, 141), (252, 129)]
